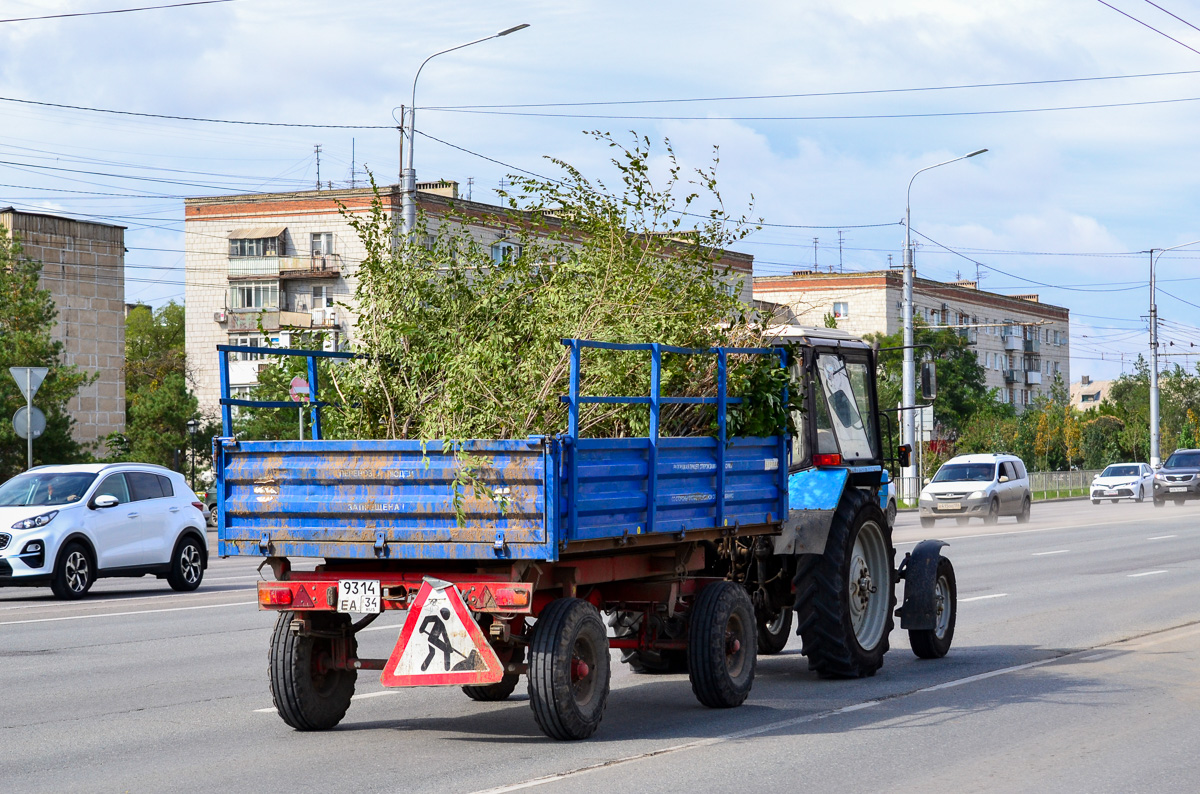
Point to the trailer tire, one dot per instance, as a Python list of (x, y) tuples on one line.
[(935, 643), (661, 661), (569, 669), (306, 699), (722, 645), (773, 634), (488, 693), (835, 646)]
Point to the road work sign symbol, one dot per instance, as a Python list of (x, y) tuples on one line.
[(441, 644)]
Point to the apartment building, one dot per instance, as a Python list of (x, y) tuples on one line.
[(265, 266), (83, 268), (1022, 343)]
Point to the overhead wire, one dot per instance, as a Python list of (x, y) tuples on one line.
[(1147, 25), (116, 11)]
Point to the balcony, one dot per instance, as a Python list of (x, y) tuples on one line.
[(1033, 346), (248, 319), (1013, 375), (969, 334), (257, 267), (1014, 344), (317, 318), (1033, 377)]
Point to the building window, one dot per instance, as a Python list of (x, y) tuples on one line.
[(258, 246), (504, 250), (320, 298), (321, 243), (249, 341), (841, 309), (254, 296)]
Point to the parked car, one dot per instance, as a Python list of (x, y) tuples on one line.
[(209, 500), (887, 498), (1179, 478), (1123, 481), (65, 526), (977, 486)]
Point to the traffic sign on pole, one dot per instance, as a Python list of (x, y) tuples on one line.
[(29, 379), (29, 423)]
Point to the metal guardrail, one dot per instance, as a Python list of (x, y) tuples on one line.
[(1057, 484)]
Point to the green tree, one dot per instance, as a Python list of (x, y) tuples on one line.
[(961, 386), (1102, 441), (158, 400), (26, 322)]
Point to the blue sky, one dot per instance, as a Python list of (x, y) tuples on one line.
[(1064, 198)]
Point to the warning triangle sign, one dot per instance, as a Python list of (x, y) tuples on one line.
[(441, 644)]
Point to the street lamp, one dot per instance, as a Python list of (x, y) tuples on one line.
[(192, 426), (908, 388), (1155, 456), (408, 181)]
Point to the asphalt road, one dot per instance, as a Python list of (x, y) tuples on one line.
[(1074, 669)]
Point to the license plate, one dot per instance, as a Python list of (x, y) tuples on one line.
[(1110, 493), (358, 595), (1179, 489), (949, 506)]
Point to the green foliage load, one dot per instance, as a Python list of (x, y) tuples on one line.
[(28, 316), (459, 343)]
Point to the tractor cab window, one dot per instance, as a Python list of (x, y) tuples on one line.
[(843, 405)]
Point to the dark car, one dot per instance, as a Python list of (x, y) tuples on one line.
[(1179, 478)]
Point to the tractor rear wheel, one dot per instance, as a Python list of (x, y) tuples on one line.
[(845, 597)]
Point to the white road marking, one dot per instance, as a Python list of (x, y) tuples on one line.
[(1162, 537), (982, 597), (47, 603), (1144, 573), (1029, 531), (1047, 553), (135, 612), (363, 696)]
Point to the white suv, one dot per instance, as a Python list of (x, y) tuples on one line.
[(64, 526)]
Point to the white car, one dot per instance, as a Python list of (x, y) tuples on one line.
[(64, 526), (1123, 481)]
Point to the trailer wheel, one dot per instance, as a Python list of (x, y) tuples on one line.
[(569, 669), (774, 633), (500, 690), (845, 597), (722, 645), (935, 643), (308, 695)]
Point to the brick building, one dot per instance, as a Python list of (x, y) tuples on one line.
[(286, 262), (1022, 343), (84, 271)]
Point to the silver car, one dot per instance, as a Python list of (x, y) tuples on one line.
[(977, 486)]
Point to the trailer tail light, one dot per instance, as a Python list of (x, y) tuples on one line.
[(827, 459), (274, 596), (511, 597)]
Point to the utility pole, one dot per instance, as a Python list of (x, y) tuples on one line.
[(1155, 456), (470, 185), (318, 150), (814, 254)]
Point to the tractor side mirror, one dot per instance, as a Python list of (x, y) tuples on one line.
[(928, 380), (905, 455)]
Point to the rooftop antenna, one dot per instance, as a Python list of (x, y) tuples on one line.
[(470, 184), (317, 147), (840, 268), (352, 169), (890, 265), (814, 254)]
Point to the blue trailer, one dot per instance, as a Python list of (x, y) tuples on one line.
[(502, 555)]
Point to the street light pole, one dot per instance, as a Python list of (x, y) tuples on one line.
[(408, 181), (1155, 453), (192, 425), (910, 488)]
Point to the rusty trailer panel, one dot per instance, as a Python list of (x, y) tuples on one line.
[(381, 500)]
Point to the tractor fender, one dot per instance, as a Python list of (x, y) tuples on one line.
[(919, 572), (813, 496)]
